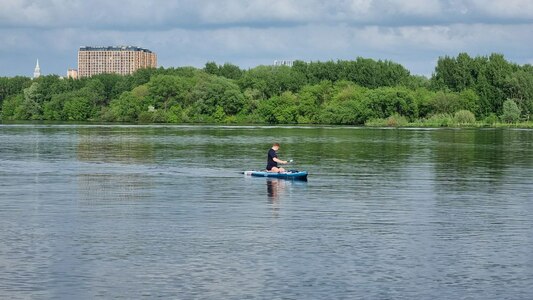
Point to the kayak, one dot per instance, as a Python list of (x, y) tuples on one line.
[(292, 174)]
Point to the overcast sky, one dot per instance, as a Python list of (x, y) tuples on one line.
[(249, 33)]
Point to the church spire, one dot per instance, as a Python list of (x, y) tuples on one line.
[(37, 72)]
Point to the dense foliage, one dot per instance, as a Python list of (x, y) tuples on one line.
[(462, 90)]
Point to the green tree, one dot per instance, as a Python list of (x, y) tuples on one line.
[(12, 108), (96, 91), (12, 86), (142, 76), (445, 103), (484, 90), (321, 71), (416, 82), (279, 109), (230, 71), (32, 104), (175, 114), (47, 86), (519, 86), (127, 107), (272, 81), (372, 74), (455, 74), (211, 68), (213, 91), (451, 102), (496, 71), (364, 72), (310, 100), (348, 106), (387, 101), (348, 113), (180, 72), (484, 75), (511, 112), (165, 90), (468, 100), (77, 109), (109, 86), (53, 109), (424, 98)]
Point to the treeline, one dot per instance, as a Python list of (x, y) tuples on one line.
[(363, 91)]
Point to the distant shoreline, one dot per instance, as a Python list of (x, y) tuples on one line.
[(413, 125), (464, 91)]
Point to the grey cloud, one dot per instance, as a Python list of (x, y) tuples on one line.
[(166, 14), (255, 32)]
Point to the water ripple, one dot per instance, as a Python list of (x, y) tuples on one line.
[(163, 212)]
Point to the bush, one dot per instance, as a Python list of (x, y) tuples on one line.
[(346, 113), (174, 114), (464, 117), (440, 120), (219, 115), (160, 116), (145, 117), (511, 112), (395, 120), (445, 103), (380, 122), (303, 120), (231, 120), (491, 119)]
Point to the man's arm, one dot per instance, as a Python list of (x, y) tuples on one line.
[(283, 162)]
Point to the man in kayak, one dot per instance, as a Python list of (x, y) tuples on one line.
[(273, 160)]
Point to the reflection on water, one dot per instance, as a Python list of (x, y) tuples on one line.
[(163, 212), (473, 160), (279, 190), (112, 187), (103, 144), (275, 187)]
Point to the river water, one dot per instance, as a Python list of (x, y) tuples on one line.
[(128, 212)]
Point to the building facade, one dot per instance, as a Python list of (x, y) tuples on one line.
[(72, 73), (287, 63), (119, 60)]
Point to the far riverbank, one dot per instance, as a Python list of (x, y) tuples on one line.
[(378, 123)]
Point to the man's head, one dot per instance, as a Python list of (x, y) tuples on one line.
[(275, 146)]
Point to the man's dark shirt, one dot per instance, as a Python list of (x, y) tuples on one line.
[(270, 160)]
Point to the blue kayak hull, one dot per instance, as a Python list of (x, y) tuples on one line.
[(292, 175)]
